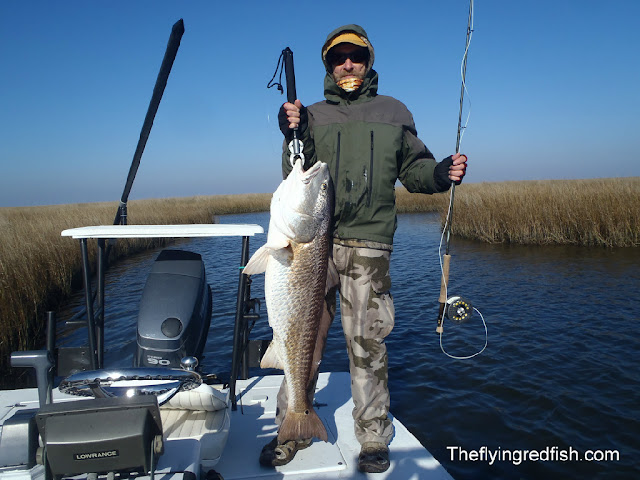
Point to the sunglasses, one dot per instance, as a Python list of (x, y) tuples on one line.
[(357, 56)]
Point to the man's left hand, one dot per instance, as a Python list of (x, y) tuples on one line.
[(458, 168)]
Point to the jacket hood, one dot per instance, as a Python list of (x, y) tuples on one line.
[(353, 28), (369, 87)]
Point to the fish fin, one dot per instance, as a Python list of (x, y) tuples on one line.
[(258, 261), (277, 240), (302, 426), (270, 358), (333, 278)]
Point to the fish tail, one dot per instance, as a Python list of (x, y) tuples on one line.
[(301, 426)]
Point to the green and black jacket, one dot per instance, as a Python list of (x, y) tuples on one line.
[(368, 141)]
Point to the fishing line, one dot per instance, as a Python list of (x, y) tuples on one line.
[(486, 339), (456, 308)]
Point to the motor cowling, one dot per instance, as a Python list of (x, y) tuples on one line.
[(175, 310)]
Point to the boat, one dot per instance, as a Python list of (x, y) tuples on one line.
[(163, 417)]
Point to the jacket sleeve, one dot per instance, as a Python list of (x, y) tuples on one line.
[(417, 164), (304, 134)]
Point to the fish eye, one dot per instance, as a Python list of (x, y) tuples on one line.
[(324, 186)]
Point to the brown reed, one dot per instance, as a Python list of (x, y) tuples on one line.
[(596, 212)]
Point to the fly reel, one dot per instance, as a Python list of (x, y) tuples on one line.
[(458, 309)]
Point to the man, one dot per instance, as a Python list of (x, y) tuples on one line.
[(369, 141)]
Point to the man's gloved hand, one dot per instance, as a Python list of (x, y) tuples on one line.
[(451, 169), (290, 116)]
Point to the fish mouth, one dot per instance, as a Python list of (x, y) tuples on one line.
[(307, 176)]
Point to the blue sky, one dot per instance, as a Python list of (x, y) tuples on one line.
[(553, 87)]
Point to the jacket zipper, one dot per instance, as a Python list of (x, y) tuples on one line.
[(335, 177), (370, 179)]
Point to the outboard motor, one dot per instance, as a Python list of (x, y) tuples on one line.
[(175, 311)]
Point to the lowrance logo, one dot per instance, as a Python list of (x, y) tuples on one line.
[(94, 455)]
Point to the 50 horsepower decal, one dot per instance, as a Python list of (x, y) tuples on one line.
[(154, 360)]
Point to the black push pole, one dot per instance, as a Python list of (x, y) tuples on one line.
[(161, 82)]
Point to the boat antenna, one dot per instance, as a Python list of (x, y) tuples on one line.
[(446, 231), (161, 82)]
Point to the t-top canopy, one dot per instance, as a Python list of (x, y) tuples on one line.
[(164, 231)]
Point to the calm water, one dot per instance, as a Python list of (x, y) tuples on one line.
[(560, 370)]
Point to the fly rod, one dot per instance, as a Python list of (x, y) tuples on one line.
[(459, 308)]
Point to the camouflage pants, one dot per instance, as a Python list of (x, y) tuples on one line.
[(367, 315)]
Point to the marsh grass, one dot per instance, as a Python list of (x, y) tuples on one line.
[(39, 269), (598, 212)]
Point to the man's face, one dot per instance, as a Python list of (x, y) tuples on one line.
[(348, 62)]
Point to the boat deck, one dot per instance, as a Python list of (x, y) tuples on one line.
[(252, 426)]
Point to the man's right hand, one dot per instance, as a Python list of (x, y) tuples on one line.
[(292, 111)]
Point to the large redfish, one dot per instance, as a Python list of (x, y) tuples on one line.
[(298, 267)]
